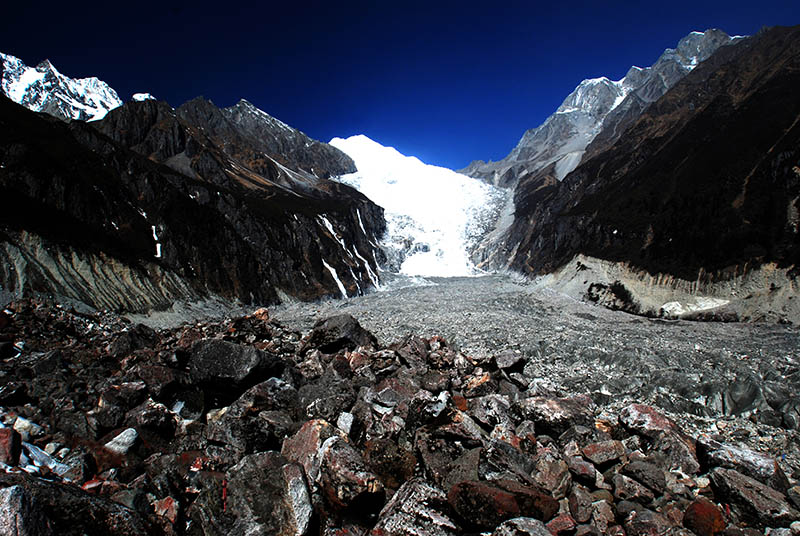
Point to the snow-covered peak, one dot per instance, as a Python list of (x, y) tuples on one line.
[(44, 89), (697, 47), (139, 97), (433, 214), (595, 96)]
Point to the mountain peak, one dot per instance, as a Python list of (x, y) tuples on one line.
[(44, 89), (559, 144)]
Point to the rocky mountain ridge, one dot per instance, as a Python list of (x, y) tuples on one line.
[(699, 189), (557, 146), (164, 210), (44, 89)]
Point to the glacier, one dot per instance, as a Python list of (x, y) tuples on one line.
[(434, 215)]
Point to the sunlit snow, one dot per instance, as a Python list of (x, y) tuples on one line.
[(433, 214)]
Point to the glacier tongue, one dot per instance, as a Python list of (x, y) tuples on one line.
[(434, 215)]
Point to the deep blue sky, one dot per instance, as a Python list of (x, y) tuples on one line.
[(448, 82)]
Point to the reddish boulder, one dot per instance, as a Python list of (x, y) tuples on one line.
[(704, 518), (10, 446), (604, 452), (484, 505)]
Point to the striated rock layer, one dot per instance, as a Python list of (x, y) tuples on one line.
[(153, 204)]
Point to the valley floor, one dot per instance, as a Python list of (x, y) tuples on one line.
[(741, 379)]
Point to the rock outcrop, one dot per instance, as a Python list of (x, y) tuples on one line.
[(153, 205), (702, 187)]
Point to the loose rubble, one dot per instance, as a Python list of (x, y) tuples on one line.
[(245, 426)]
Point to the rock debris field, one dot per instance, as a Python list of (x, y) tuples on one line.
[(471, 406)]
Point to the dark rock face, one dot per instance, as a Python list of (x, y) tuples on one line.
[(196, 209), (595, 115), (705, 180)]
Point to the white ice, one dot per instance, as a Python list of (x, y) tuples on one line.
[(332, 270), (432, 211)]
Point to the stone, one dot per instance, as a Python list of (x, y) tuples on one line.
[(763, 468), (704, 518), (345, 480), (628, 489), (123, 442), (305, 446), (21, 515), (522, 526), (602, 516), (490, 410), (258, 420), (337, 333), (484, 505), (509, 360), (580, 503), (393, 464), (551, 472), (582, 471), (755, 502), (555, 415), (646, 523), (646, 473), (27, 429), (793, 494), (561, 525), (167, 508), (10, 446), (267, 494), (418, 509), (224, 366), (604, 452), (646, 420)]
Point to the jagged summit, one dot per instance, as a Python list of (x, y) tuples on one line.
[(44, 89), (558, 145)]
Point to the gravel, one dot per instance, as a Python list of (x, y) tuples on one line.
[(739, 380)]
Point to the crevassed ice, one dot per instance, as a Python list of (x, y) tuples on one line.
[(433, 213)]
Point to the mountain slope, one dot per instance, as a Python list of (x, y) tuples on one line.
[(44, 89), (704, 185), (557, 146), (177, 216)]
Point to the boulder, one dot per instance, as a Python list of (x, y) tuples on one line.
[(627, 489), (646, 473), (258, 420), (704, 518), (554, 416), (604, 452), (21, 515), (646, 523), (754, 501), (763, 468), (345, 481), (10, 446), (222, 366), (267, 494), (580, 503), (522, 526), (484, 505), (417, 509), (337, 333)]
